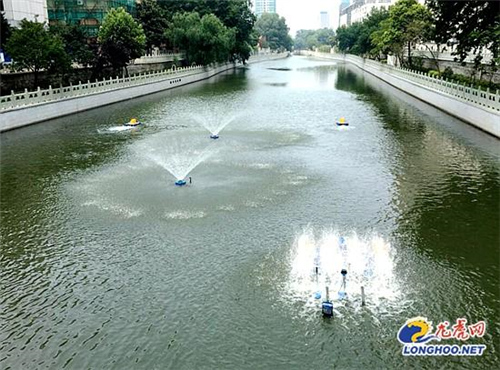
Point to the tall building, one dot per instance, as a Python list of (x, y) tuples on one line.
[(264, 6), (324, 19), (17, 10), (88, 14), (358, 10), (343, 4)]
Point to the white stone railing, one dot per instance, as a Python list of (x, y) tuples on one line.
[(482, 98), (29, 98), (158, 58)]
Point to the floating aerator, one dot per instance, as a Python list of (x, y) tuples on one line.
[(327, 306), (180, 183), (327, 309), (214, 136)]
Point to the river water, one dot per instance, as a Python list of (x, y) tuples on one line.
[(105, 264)]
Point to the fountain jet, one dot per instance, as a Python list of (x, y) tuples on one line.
[(179, 155)]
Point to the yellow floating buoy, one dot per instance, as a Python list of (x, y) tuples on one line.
[(133, 122), (342, 122)]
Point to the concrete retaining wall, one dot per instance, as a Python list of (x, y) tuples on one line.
[(479, 109)]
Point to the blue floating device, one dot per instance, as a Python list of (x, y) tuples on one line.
[(180, 183), (327, 309), (317, 295), (214, 136)]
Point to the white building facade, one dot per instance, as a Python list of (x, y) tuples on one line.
[(360, 9), (324, 19), (32, 10)]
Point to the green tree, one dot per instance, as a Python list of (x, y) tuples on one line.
[(408, 23), (300, 41), (121, 38), (325, 37), (274, 29), (234, 14), (347, 38), (368, 27), (308, 39), (5, 29), (204, 39), (153, 19), (75, 42), (33, 48), (237, 15), (471, 25)]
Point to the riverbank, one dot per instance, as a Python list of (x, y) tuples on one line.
[(475, 107), (18, 110)]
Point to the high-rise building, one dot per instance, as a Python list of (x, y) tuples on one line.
[(17, 10), (342, 15), (88, 14), (264, 6), (324, 19), (358, 10)]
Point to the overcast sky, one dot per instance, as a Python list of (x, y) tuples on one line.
[(304, 14)]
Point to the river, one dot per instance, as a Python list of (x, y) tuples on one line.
[(106, 264)]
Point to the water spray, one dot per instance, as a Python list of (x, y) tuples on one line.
[(342, 291)]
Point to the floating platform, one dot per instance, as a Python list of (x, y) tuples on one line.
[(133, 123), (180, 183), (342, 122), (214, 136)]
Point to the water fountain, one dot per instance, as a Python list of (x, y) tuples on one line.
[(347, 264), (214, 122), (178, 155)]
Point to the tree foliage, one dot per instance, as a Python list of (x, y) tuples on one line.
[(357, 38), (5, 29), (274, 29), (205, 39), (408, 23), (473, 25), (347, 37), (121, 38), (33, 48), (75, 42), (153, 19), (234, 14), (309, 39)]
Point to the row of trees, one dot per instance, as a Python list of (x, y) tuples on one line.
[(167, 23), (310, 39), (208, 31), (471, 26), (35, 47)]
